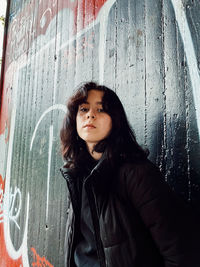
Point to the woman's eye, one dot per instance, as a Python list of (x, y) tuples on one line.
[(83, 109), (100, 110)]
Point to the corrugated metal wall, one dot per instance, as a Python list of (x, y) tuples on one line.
[(145, 50)]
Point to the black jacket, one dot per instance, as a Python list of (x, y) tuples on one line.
[(138, 220)]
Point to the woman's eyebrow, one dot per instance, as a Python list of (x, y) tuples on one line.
[(98, 102)]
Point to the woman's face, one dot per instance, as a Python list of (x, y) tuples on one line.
[(92, 123)]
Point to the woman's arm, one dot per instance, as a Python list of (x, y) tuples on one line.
[(171, 222)]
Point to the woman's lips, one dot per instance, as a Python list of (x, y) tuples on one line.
[(89, 126)]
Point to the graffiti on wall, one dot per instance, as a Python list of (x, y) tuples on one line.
[(40, 261), (30, 24), (1, 198), (24, 24), (13, 211), (84, 13)]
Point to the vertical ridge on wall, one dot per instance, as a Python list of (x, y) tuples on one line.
[(116, 48), (154, 80), (164, 143), (187, 124), (145, 69)]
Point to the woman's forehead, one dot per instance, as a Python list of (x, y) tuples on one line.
[(95, 94), (93, 97)]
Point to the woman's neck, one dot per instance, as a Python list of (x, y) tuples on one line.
[(94, 154)]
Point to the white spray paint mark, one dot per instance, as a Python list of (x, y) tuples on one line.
[(43, 19), (49, 168), (12, 212), (22, 251), (54, 107), (103, 18), (190, 55)]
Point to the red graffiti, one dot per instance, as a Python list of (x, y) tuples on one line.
[(75, 52), (39, 261), (5, 259), (1, 197), (36, 16), (6, 102), (5, 114)]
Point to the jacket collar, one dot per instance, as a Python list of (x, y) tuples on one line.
[(102, 169)]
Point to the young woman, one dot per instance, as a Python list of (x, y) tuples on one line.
[(121, 213)]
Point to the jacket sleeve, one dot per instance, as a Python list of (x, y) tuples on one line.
[(171, 222)]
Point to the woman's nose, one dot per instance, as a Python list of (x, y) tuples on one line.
[(91, 114)]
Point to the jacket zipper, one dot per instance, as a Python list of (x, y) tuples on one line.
[(95, 216), (101, 252)]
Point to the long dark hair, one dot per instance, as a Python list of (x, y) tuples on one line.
[(121, 142)]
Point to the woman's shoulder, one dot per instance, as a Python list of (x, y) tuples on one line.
[(142, 175), (139, 167), (142, 182)]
